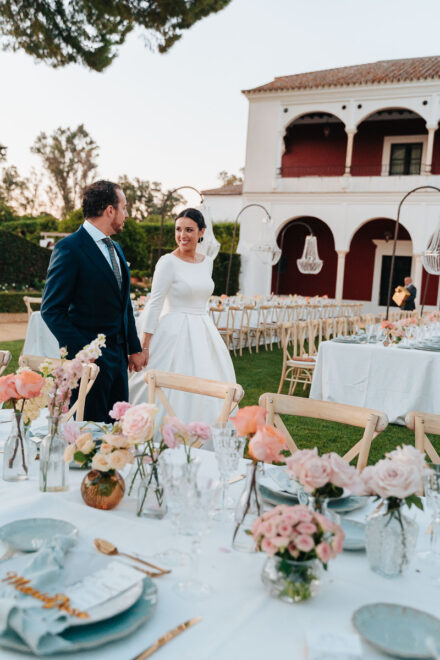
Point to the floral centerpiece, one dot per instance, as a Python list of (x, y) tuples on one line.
[(177, 434), (390, 535), (264, 444), (298, 542), (323, 477), (65, 378), (17, 390)]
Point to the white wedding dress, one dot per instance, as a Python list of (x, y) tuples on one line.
[(185, 340)]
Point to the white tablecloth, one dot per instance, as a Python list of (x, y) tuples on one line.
[(393, 380), (39, 339), (240, 620)]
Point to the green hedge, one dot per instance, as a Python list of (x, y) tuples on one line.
[(21, 262), (11, 302), (30, 228)]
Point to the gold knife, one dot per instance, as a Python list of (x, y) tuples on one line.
[(171, 634)]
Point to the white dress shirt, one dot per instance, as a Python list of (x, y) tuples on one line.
[(98, 236)]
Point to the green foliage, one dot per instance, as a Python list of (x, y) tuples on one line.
[(145, 198), (6, 213), (72, 221), (30, 228), (11, 302), (89, 32), (220, 271), (21, 262)]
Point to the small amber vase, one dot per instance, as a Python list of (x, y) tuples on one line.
[(102, 490)]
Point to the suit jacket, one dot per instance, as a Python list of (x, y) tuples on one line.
[(82, 299)]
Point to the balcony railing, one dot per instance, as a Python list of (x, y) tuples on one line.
[(338, 169)]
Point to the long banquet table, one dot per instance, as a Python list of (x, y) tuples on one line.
[(391, 379), (240, 620)]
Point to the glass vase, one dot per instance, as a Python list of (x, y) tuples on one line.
[(135, 476), (53, 468), (16, 451), (320, 504), (391, 539), (151, 494), (102, 490), (249, 507), (291, 581)]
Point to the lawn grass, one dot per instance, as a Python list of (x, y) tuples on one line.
[(261, 373)]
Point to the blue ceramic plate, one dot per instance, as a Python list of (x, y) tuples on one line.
[(277, 497), (29, 534), (398, 630), (354, 534), (347, 503), (82, 638)]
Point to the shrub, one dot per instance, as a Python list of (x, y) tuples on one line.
[(11, 302), (21, 262)]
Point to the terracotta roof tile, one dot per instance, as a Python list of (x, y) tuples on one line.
[(233, 189), (386, 71)]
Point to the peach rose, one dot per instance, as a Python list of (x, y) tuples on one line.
[(249, 419), (84, 443), (117, 440), (28, 384), (267, 444), (101, 463), (118, 459), (68, 453), (315, 473), (138, 422), (7, 388)]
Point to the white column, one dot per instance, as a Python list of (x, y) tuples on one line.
[(340, 274), (349, 150), (429, 149), (417, 279)]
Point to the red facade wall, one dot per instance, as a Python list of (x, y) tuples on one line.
[(309, 153), (368, 143), (436, 154), (290, 279), (359, 262), (432, 291)]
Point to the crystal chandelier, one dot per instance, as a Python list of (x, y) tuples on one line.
[(431, 256), (267, 247), (310, 263)]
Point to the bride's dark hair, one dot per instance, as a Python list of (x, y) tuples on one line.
[(195, 215)]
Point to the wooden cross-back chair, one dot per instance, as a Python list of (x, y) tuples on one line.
[(29, 301), (422, 423), (88, 378), (230, 393), (246, 332), (372, 421), (297, 367), (265, 327), (226, 330), (5, 358)]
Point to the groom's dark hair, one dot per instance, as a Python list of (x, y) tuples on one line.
[(98, 196)]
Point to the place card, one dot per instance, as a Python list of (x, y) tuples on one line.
[(98, 587), (332, 646)]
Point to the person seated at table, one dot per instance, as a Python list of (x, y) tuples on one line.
[(409, 303)]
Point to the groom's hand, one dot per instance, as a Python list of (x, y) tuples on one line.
[(137, 361)]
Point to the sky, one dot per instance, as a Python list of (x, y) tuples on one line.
[(180, 118)]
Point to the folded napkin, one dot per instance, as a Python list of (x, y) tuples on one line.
[(22, 617)]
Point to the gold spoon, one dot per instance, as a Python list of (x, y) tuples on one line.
[(108, 548)]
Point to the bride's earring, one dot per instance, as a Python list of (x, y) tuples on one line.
[(200, 239)]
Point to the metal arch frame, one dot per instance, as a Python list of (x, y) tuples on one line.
[(162, 212), (228, 276), (282, 234), (396, 231)]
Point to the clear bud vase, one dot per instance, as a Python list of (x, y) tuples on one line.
[(16, 451), (249, 507), (151, 494), (53, 467)]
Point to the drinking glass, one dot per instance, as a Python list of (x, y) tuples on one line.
[(199, 504), (428, 560), (228, 447)]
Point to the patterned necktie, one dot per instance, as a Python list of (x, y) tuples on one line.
[(111, 248)]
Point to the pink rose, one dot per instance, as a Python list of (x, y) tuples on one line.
[(7, 388), (249, 419), (323, 552), (304, 514), (315, 473), (28, 384), (285, 529), (337, 544), (408, 454), (304, 543), (295, 462), (267, 444), (307, 528), (138, 422), (119, 409), (200, 429), (268, 529), (345, 475), (268, 547), (325, 524), (293, 550), (170, 438), (394, 478)]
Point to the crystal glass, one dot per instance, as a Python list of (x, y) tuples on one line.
[(428, 560), (199, 505), (53, 468), (228, 447), (291, 581), (249, 507), (151, 494), (16, 451), (391, 539)]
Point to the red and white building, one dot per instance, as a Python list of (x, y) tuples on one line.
[(338, 149)]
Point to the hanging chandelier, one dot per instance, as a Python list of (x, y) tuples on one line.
[(431, 256), (310, 263)]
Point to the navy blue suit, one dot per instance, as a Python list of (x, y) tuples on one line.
[(82, 299)]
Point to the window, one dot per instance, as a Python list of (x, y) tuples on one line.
[(406, 158)]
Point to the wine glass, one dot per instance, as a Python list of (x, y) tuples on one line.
[(428, 560), (199, 505), (228, 447)]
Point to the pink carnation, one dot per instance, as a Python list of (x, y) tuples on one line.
[(71, 431), (199, 429), (119, 409), (170, 438)]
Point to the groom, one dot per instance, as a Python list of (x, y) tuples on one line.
[(87, 292)]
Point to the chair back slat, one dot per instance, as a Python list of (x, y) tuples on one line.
[(422, 423), (5, 358)]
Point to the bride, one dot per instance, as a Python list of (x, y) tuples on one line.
[(178, 334)]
